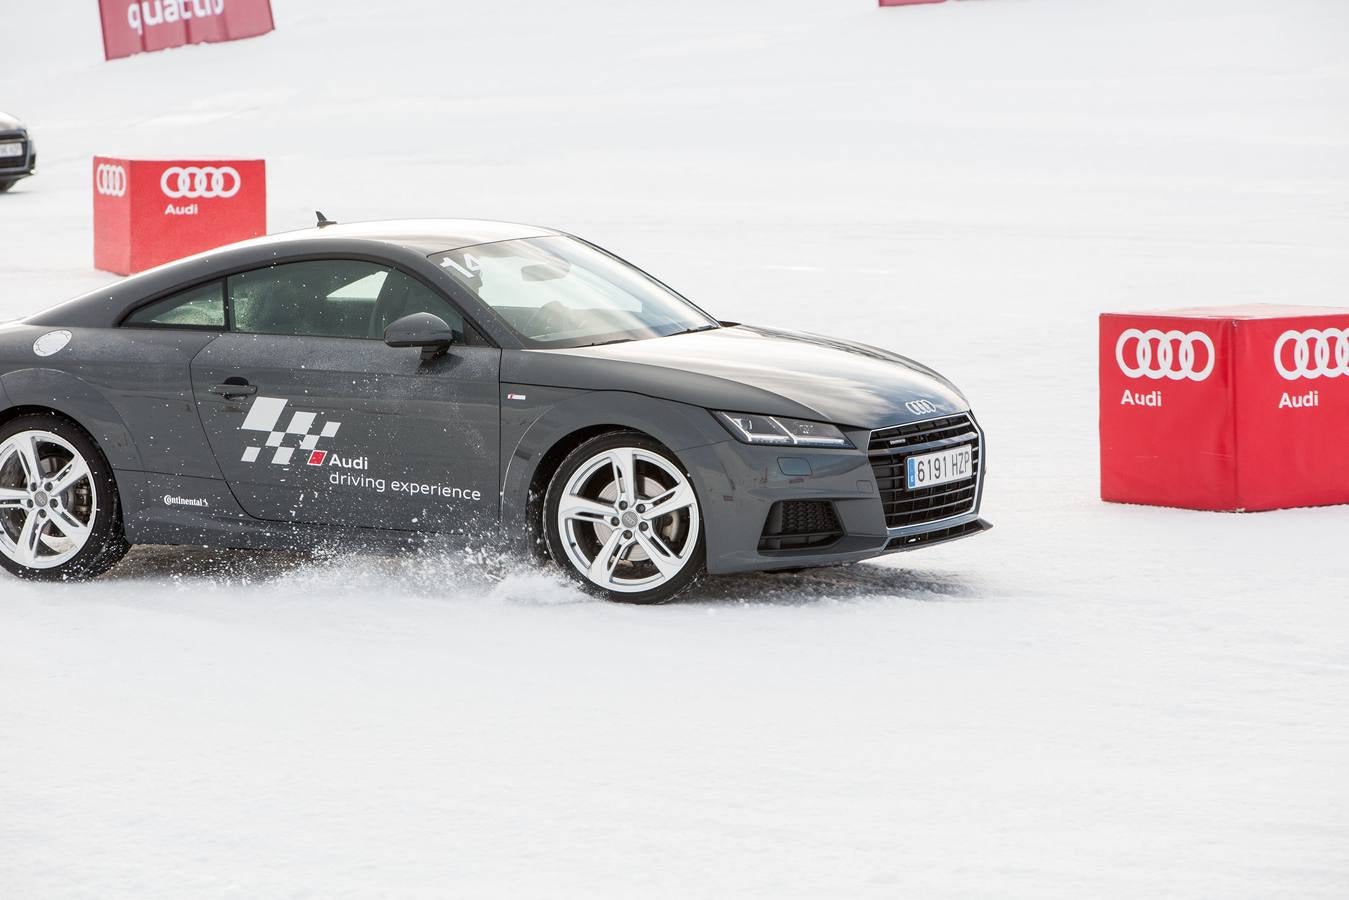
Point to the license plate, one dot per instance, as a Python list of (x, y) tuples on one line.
[(942, 467), (11, 150)]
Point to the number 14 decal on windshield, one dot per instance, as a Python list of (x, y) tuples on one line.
[(470, 268)]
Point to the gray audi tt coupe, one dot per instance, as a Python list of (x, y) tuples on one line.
[(373, 384)]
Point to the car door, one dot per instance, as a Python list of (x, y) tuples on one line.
[(314, 419)]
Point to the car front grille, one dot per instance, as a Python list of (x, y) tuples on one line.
[(14, 162), (889, 451), (800, 525)]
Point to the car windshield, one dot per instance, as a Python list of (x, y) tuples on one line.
[(557, 292)]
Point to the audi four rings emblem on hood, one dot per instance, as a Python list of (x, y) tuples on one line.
[(921, 407), (1160, 354), (1317, 353), (110, 180), (196, 182)]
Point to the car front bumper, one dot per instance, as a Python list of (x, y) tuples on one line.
[(739, 484), (12, 167)]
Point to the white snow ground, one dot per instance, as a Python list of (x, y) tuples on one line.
[(1090, 701)]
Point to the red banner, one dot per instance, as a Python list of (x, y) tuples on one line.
[(137, 26), (148, 212)]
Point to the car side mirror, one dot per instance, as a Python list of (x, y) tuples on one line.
[(425, 330)]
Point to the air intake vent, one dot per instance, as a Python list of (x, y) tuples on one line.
[(940, 536), (800, 525)]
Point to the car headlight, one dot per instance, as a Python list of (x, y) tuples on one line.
[(775, 430)]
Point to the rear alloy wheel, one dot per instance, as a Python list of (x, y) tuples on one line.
[(59, 515), (621, 516)]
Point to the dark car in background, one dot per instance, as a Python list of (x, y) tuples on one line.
[(18, 157)]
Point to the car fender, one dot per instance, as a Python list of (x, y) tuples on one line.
[(72, 396), (676, 425)]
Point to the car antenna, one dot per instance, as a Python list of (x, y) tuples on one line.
[(324, 221)]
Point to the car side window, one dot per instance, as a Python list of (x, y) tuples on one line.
[(404, 295), (320, 298), (200, 307), (340, 298)]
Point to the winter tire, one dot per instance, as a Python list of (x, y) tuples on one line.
[(621, 516), (60, 519)]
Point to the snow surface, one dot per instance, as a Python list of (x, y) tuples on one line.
[(1090, 701)]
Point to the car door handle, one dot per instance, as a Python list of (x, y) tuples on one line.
[(229, 391)]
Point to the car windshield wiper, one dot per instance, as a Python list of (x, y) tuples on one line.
[(707, 327), (624, 340)]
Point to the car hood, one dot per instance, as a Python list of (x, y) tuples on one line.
[(758, 370), (9, 123)]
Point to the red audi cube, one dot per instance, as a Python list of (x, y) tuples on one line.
[(148, 212), (1241, 409)]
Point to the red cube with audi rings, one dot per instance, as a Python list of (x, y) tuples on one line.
[(1240, 409), (148, 212)]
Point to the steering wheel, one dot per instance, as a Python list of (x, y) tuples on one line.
[(548, 319)]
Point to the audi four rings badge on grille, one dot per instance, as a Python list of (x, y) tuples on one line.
[(200, 182), (110, 180), (1158, 354), (1314, 353)]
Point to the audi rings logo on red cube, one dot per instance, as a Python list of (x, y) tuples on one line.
[(196, 182), (1312, 353), (1157, 354), (1229, 409), (148, 212)]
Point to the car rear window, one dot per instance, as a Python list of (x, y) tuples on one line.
[(200, 307)]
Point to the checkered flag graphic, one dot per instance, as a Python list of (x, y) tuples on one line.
[(266, 414)]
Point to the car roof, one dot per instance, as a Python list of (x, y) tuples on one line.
[(425, 235), (415, 238)]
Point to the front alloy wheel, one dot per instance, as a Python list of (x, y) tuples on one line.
[(58, 504), (622, 517)]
